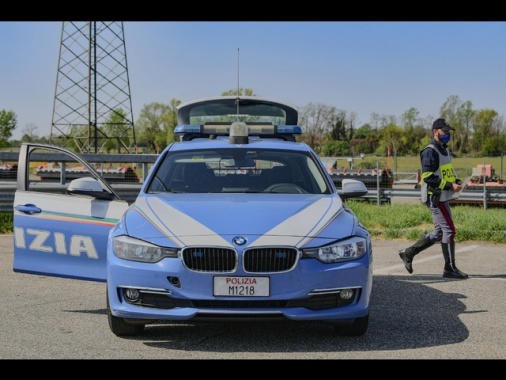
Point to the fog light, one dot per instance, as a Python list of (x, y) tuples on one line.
[(346, 294), (132, 295), (174, 281)]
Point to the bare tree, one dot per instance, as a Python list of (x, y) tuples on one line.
[(465, 116), (317, 120), (29, 133), (375, 120)]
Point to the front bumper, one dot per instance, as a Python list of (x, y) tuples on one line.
[(169, 291)]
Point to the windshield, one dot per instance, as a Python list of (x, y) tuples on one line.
[(239, 171)]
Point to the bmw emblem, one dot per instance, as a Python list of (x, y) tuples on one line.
[(239, 240)]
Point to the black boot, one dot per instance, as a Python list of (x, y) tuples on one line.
[(407, 254), (451, 270)]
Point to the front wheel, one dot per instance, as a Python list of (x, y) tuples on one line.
[(120, 327), (357, 328)]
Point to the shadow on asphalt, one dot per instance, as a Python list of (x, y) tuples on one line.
[(404, 314)]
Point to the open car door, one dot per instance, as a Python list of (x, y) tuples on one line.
[(63, 212)]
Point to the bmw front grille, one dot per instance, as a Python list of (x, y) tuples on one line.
[(256, 260)]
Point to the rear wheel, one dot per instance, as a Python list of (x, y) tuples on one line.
[(357, 328), (120, 327)]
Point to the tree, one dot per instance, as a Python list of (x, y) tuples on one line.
[(317, 120), (334, 148), (366, 139), (488, 138), (29, 133), (465, 115), (338, 127), (375, 120), (351, 120), (460, 115), (8, 121), (156, 125), (169, 120), (410, 118), (365, 131), (114, 129), (150, 126), (239, 92), (449, 111), (392, 137), (413, 133)]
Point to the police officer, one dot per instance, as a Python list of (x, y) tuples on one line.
[(438, 184)]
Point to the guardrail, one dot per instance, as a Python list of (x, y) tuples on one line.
[(143, 161), (128, 191), (488, 197), (406, 178)]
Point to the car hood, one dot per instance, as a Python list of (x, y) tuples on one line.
[(215, 219)]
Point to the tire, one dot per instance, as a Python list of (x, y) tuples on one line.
[(357, 328), (120, 327)]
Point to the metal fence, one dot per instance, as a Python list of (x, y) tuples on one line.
[(379, 193)]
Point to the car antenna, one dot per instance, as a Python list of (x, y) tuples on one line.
[(237, 99)]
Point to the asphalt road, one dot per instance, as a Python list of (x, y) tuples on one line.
[(418, 316)]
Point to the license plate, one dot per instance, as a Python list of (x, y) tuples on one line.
[(241, 286)]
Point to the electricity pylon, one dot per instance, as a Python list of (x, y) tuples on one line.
[(92, 110)]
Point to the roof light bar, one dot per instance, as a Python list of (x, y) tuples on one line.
[(224, 129), (239, 133)]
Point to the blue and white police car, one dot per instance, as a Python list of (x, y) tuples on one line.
[(237, 221)]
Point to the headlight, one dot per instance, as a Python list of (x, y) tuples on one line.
[(128, 248), (343, 251)]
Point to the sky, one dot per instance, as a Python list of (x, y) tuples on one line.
[(364, 67)]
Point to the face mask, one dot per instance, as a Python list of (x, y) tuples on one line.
[(445, 138)]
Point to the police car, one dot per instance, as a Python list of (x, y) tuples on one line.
[(237, 221)]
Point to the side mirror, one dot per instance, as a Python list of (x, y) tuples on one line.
[(88, 186), (352, 188)]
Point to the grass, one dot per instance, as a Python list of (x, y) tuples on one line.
[(410, 222), (6, 222)]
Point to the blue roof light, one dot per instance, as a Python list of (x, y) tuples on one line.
[(254, 129), (289, 129)]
